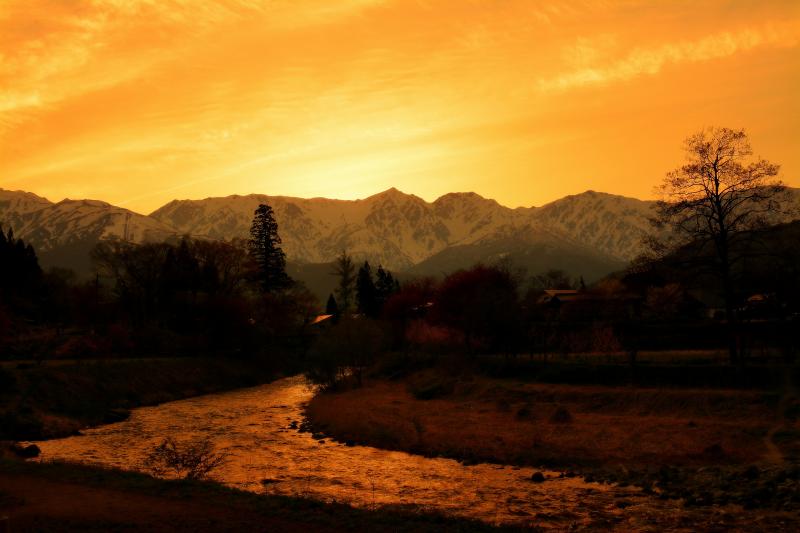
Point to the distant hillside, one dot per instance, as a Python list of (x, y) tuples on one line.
[(534, 253)]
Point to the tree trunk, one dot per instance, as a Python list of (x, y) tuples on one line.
[(730, 314)]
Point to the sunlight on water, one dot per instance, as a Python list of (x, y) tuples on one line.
[(267, 456)]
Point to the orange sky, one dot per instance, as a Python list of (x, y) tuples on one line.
[(137, 102)]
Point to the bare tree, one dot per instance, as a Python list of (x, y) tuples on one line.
[(714, 202)]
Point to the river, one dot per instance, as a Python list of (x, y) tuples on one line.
[(268, 456)]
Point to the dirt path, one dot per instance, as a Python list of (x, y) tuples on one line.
[(34, 504)]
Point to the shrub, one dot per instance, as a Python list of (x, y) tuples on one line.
[(432, 338), (524, 413), (503, 406), (190, 460), (431, 387), (347, 350), (561, 416), (21, 423)]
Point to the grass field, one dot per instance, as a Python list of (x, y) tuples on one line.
[(559, 425)]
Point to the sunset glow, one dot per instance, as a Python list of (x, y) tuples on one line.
[(137, 102)]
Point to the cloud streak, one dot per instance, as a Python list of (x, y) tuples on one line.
[(652, 60), (52, 50)]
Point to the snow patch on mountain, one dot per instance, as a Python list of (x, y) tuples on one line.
[(614, 225)]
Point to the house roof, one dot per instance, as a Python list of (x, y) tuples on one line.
[(560, 292), (562, 295), (320, 318)]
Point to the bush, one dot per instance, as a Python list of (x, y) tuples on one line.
[(524, 413), (190, 460), (20, 423), (561, 416), (344, 352), (431, 387)]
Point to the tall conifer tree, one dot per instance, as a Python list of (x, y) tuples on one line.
[(264, 248)]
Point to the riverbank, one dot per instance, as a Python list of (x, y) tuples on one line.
[(51, 400), (702, 446), (64, 497)]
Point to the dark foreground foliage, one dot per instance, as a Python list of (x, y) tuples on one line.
[(240, 510), (58, 399)]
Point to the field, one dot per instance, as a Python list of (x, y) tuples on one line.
[(516, 422), (702, 445)]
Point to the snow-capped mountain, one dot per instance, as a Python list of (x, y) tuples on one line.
[(63, 233), (401, 230), (614, 225), (589, 232), (392, 228), (14, 205), (48, 225)]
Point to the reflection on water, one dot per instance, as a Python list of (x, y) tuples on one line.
[(267, 456)]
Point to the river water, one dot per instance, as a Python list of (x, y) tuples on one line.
[(268, 456)]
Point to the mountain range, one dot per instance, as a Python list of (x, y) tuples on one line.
[(588, 234)]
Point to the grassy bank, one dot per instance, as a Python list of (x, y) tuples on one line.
[(64, 497), (653, 369), (676, 440), (57, 399)]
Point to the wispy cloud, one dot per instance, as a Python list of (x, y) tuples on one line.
[(651, 60), (51, 50)]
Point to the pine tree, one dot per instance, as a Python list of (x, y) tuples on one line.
[(5, 259), (20, 272), (264, 248), (187, 266), (345, 270), (331, 308), (366, 295), (385, 286)]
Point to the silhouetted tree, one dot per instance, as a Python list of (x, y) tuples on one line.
[(712, 204), (385, 286), (224, 265), (264, 248), (483, 304), (345, 270), (553, 279), (20, 273), (331, 308), (137, 272), (344, 352), (366, 294)]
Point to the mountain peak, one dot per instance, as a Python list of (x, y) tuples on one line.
[(86, 202), (8, 194), (390, 192), (394, 194), (469, 196)]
